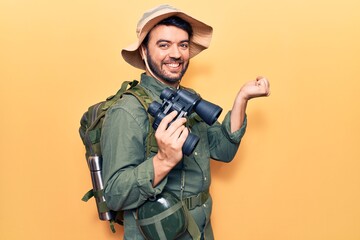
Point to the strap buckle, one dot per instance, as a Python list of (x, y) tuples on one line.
[(196, 200)]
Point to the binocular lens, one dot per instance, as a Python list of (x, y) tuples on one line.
[(208, 112), (190, 144)]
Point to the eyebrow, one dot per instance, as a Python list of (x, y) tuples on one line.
[(168, 41)]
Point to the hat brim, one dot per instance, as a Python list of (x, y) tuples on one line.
[(200, 40)]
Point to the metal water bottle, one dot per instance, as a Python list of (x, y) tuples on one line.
[(95, 163)]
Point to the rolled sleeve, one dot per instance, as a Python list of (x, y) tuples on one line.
[(145, 176), (223, 143), (236, 136)]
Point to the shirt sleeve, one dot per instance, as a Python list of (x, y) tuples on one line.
[(223, 143), (236, 136), (127, 173)]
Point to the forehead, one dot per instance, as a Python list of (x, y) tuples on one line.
[(168, 33)]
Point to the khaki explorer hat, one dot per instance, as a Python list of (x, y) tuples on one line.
[(199, 41)]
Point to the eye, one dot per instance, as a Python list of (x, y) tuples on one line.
[(184, 45), (164, 45)]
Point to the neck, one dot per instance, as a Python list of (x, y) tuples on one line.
[(171, 84)]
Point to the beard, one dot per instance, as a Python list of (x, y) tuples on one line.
[(159, 73)]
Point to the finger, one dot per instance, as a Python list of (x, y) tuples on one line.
[(178, 132), (259, 77), (184, 134), (178, 123), (266, 82), (259, 81), (267, 86), (166, 120)]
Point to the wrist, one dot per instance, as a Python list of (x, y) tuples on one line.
[(160, 162), (242, 98)]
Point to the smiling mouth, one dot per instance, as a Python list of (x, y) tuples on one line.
[(172, 65)]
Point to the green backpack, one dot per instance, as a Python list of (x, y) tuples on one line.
[(90, 133)]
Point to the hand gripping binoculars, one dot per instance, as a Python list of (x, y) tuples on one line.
[(185, 103)]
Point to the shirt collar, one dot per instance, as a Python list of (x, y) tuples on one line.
[(153, 85)]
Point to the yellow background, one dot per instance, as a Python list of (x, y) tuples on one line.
[(297, 173)]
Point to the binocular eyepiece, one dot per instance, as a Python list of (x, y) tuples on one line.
[(184, 102)]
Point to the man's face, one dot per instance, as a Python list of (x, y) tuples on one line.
[(167, 53)]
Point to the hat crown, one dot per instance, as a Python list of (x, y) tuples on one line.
[(153, 13)]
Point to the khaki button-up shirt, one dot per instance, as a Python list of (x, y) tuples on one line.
[(128, 173)]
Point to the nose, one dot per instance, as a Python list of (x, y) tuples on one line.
[(174, 52)]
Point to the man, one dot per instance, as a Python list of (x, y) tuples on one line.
[(167, 39)]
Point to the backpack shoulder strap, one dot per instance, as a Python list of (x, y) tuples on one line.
[(91, 121), (145, 100), (125, 86)]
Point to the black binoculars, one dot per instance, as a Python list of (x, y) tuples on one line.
[(184, 102)]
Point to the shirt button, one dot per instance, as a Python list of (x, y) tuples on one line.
[(195, 153), (205, 178), (204, 205)]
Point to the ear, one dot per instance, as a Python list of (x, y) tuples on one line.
[(143, 52)]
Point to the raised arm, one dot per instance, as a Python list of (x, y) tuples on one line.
[(252, 89)]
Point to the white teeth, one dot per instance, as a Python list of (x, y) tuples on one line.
[(173, 65)]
